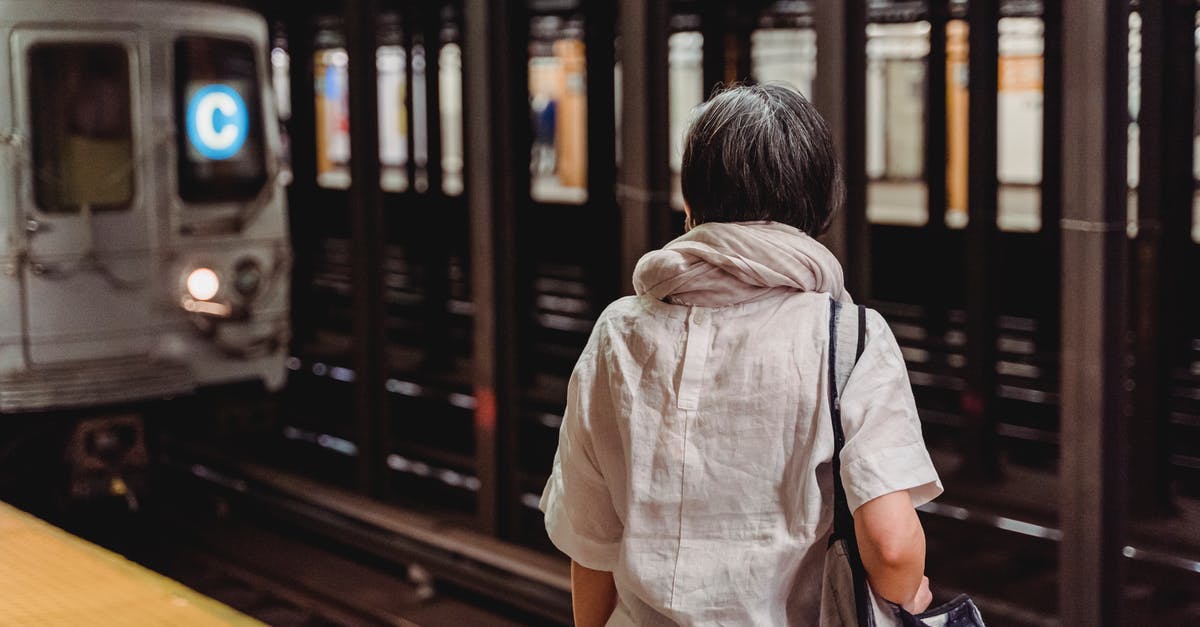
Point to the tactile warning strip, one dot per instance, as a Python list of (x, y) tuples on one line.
[(49, 577)]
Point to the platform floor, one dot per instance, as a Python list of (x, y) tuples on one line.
[(49, 577)]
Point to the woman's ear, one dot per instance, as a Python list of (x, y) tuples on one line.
[(687, 218)]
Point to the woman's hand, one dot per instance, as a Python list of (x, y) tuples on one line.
[(921, 600)]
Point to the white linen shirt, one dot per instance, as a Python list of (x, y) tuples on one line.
[(694, 456)]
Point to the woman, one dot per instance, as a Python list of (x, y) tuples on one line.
[(692, 483)]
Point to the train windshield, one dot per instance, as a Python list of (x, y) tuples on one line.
[(217, 108), (82, 139)]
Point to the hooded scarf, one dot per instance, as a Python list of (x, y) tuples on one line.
[(718, 264)]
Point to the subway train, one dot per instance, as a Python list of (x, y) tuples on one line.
[(143, 233), (419, 65), (144, 246)]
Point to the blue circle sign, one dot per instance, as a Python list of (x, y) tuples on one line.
[(217, 121)]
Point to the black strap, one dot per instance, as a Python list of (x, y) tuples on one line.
[(862, 332), (843, 524), (843, 521)]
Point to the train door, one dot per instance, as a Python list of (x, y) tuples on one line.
[(1000, 399), (566, 229), (318, 408), (82, 197), (429, 313)]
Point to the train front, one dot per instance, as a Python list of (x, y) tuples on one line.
[(145, 230)]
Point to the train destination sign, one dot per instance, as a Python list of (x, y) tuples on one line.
[(217, 121)]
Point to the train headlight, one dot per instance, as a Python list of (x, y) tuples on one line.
[(247, 277), (203, 284)]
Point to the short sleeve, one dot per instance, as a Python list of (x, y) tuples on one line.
[(580, 518), (884, 450)]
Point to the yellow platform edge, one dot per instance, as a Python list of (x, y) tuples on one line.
[(33, 592)]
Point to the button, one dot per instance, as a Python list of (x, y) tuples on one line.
[(698, 318)]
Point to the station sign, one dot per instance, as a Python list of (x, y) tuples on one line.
[(218, 121)]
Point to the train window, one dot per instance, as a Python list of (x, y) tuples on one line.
[(558, 102), (1196, 141), (281, 80), (896, 69), (281, 85), (221, 154), (787, 55), (82, 127), (450, 108), (686, 90), (390, 61), (420, 115), (1133, 134), (331, 81), (617, 103), (957, 115), (391, 85), (1019, 124)]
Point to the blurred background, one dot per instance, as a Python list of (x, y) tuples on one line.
[(294, 327)]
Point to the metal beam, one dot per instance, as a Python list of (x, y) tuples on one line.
[(303, 156), (935, 117), (1052, 122), (830, 98), (1092, 468), (497, 177), (1052, 151), (938, 302), (1164, 200), (600, 23), (842, 52), (712, 26), (643, 184), (367, 228), (980, 456), (743, 16)]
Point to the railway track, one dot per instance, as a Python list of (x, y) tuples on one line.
[(272, 571)]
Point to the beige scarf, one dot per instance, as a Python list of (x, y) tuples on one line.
[(718, 264)]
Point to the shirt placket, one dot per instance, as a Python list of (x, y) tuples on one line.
[(695, 355)]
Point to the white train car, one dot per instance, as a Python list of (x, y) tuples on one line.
[(144, 245)]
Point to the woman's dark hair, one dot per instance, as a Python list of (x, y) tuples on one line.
[(761, 152)]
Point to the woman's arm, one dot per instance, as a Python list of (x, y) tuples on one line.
[(891, 543), (593, 595)]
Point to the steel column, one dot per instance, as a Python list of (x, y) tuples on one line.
[(938, 301), (435, 249), (840, 95), (1052, 121), (712, 26), (1094, 299), (497, 176), (302, 143), (599, 42), (979, 421), (743, 17), (367, 228), (829, 21), (1164, 199), (935, 116), (643, 184), (1052, 151)]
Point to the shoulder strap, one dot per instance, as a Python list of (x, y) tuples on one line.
[(841, 322), (849, 336), (841, 362)]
